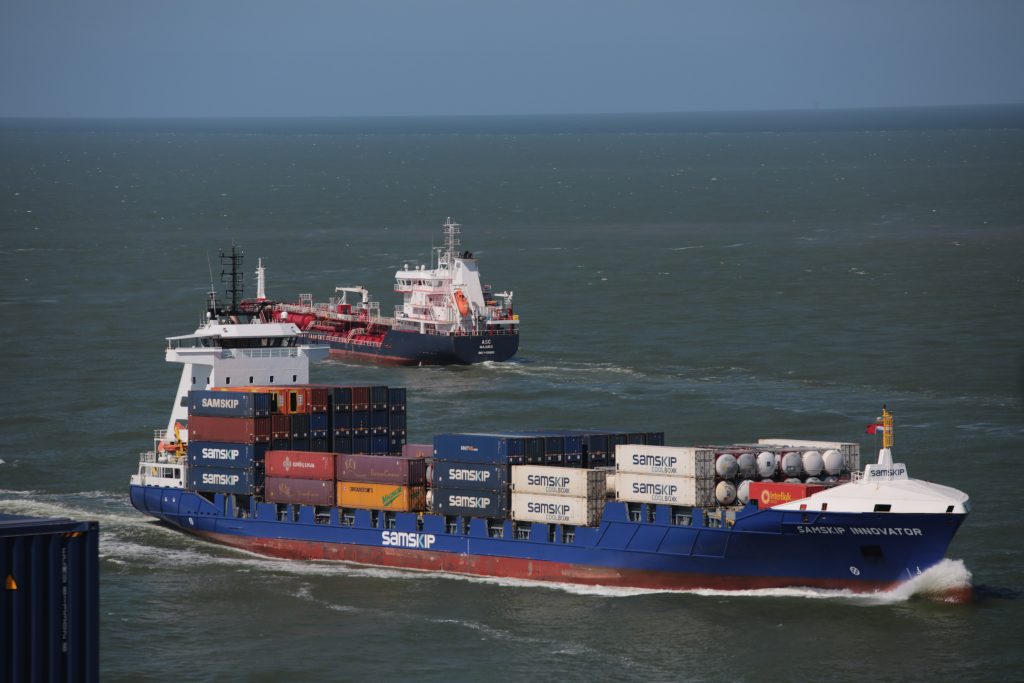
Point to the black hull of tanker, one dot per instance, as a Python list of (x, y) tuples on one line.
[(412, 348)]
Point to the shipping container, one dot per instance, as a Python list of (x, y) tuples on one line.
[(300, 465), (320, 445), (361, 444), (49, 603), (418, 450), (595, 444), (469, 475), (379, 398), (380, 444), (397, 421), (319, 424), (341, 420), (360, 398), (225, 480), (341, 443), (448, 501), (300, 445), (299, 425), (554, 459), (558, 481), (212, 453), (669, 489), (375, 469), (666, 460), (380, 420), (396, 399), (229, 429), (770, 494), (228, 403), (381, 496), (360, 419), (654, 438), (284, 444), (488, 448), (536, 507), (299, 491), (278, 395), (280, 427), (340, 400)]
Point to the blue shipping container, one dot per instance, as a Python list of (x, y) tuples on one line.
[(341, 420), (320, 445), (208, 453), (228, 403), (341, 444), (380, 444), (488, 448), (49, 604), (225, 479), (340, 399), (470, 503), (396, 399), (360, 444), (473, 476), (319, 422)]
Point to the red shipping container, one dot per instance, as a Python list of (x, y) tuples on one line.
[(770, 494), (417, 450), (360, 398), (229, 429), (300, 465), (381, 469), (299, 491), (280, 426)]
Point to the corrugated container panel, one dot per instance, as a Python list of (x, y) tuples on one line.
[(659, 488), (49, 602), (655, 438), (536, 507), (418, 450), (280, 427), (361, 419), (469, 475), (380, 419), (597, 460), (360, 398), (341, 443), (341, 399), (397, 421), (558, 481), (375, 469), (770, 494), (554, 459), (380, 444), (341, 420), (470, 503), (396, 399), (489, 448), (300, 465), (229, 429), (595, 444), (378, 398), (381, 496), (637, 438), (212, 453), (278, 395), (361, 444), (299, 491), (228, 403), (319, 422), (300, 425), (668, 460), (284, 444), (224, 480), (301, 445), (318, 399), (320, 445), (573, 460)]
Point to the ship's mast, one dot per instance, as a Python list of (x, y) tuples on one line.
[(452, 231), (261, 282)]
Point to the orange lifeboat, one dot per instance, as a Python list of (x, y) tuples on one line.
[(462, 302)]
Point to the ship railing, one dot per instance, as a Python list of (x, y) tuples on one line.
[(160, 458), (291, 352)]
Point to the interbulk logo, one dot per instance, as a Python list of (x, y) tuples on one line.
[(388, 499)]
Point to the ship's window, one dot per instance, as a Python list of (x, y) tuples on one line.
[(183, 402), (193, 380), (882, 507), (293, 398), (295, 378), (949, 509), (652, 513), (824, 506), (228, 381), (419, 522), (250, 379), (271, 379)]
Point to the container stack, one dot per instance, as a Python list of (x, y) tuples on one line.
[(470, 473), (299, 477), (665, 474), (229, 436), (381, 483), (557, 495), (779, 470)]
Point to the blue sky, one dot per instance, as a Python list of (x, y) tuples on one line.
[(141, 58)]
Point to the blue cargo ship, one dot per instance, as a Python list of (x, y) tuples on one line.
[(592, 507)]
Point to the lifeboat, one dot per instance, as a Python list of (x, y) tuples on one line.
[(462, 302)]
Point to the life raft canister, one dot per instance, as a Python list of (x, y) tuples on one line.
[(462, 302)]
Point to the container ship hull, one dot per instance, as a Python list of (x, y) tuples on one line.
[(396, 347), (861, 552)]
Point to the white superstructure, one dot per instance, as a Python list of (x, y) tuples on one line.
[(449, 298), (222, 354)]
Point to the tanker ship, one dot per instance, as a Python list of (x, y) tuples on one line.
[(447, 317), (254, 456)]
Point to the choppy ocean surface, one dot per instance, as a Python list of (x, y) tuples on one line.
[(718, 279)]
